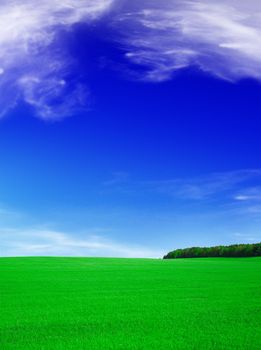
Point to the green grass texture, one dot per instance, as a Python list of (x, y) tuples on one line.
[(130, 304)]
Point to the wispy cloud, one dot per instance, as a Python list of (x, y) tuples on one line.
[(254, 209), (33, 65), (195, 188), (210, 185), (44, 242), (220, 37), (249, 194), (244, 237)]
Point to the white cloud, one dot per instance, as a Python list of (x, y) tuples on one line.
[(241, 197), (33, 65), (221, 37), (43, 242), (249, 194)]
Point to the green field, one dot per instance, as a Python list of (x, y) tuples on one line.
[(130, 304)]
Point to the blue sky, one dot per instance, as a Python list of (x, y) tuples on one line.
[(129, 130)]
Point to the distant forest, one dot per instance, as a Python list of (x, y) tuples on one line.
[(236, 250)]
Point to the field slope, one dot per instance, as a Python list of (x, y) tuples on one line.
[(130, 304)]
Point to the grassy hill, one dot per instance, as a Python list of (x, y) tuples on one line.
[(130, 304)]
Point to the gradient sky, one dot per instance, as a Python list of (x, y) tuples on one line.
[(129, 129)]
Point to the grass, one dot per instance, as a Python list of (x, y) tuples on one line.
[(130, 304)]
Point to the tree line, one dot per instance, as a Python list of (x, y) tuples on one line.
[(235, 250)]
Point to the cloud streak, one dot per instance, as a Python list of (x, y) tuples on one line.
[(44, 242), (237, 185)]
